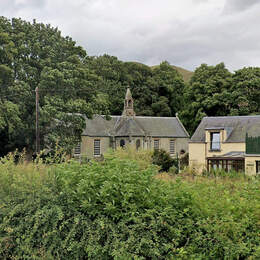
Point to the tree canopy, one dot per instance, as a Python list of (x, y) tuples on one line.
[(37, 55), (73, 85)]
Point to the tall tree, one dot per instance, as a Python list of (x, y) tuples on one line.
[(37, 55), (113, 81), (246, 91), (156, 91), (167, 86), (207, 94), (9, 111)]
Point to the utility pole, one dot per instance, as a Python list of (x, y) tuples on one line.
[(37, 140)]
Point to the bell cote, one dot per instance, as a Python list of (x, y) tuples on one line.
[(128, 104)]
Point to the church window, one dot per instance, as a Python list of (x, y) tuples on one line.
[(138, 144), (97, 147), (156, 144), (172, 146), (122, 143)]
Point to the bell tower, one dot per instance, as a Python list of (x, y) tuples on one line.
[(129, 104)]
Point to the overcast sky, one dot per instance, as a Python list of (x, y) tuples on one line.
[(184, 32)]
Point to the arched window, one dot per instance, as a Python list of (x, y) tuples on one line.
[(129, 103), (138, 144), (122, 143), (182, 151)]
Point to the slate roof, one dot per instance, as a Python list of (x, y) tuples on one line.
[(236, 127), (233, 154), (135, 126)]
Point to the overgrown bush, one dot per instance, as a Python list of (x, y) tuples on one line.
[(163, 159), (141, 156), (184, 160), (116, 209)]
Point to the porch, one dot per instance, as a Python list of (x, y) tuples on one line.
[(233, 161)]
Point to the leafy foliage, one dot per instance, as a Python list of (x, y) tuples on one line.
[(36, 55), (163, 159), (74, 86), (116, 210), (207, 94), (156, 91), (246, 91)]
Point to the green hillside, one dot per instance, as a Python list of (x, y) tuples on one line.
[(186, 74)]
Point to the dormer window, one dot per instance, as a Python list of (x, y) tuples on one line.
[(215, 141)]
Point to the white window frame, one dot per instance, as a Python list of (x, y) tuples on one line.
[(215, 145), (172, 146), (156, 144), (97, 147)]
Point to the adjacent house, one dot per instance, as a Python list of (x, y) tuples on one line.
[(229, 143), (144, 132)]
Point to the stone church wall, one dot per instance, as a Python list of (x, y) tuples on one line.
[(87, 145)]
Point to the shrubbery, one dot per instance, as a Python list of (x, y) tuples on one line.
[(163, 159), (116, 209)]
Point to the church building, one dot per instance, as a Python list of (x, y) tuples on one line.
[(142, 132)]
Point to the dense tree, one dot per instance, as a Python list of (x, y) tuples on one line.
[(167, 86), (9, 111), (73, 86), (207, 94), (138, 78), (113, 81), (246, 91), (36, 55), (156, 91)]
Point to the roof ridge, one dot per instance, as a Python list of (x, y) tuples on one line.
[(230, 116), (142, 125), (166, 117)]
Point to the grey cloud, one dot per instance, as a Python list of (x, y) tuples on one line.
[(199, 1), (232, 6), (186, 44), (15, 6), (150, 32)]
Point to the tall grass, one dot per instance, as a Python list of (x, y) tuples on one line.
[(143, 157), (117, 209)]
